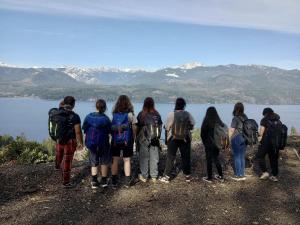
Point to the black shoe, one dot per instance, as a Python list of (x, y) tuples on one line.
[(94, 184), (114, 181), (127, 181), (104, 182), (69, 185)]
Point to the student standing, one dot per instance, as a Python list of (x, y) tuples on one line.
[(123, 135), (148, 140), (210, 121), (266, 146), (178, 126), (97, 127), (66, 147), (238, 142)]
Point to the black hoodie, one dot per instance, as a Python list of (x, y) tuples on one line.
[(265, 122)]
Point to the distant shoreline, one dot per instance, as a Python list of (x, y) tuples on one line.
[(157, 102)]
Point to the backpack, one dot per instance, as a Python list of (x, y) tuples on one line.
[(221, 137), (59, 125), (276, 133), (121, 129), (181, 125), (250, 131), (152, 128), (97, 131)]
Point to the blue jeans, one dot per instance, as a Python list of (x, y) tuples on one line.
[(238, 145)]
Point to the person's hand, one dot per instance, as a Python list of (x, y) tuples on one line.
[(79, 147), (259, 138)]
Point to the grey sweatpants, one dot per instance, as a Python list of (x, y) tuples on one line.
[(149, 157)]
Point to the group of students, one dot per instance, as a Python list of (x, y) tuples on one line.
[(110, 140)]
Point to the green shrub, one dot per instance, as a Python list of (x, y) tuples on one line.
[(294, 131), (196, 134), (6, 140), (24, 151)]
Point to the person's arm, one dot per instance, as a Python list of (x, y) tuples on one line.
[(79, 137), (230, 132), (261, 132)]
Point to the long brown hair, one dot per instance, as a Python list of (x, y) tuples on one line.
[(238, 109), (123, 104), (148, 107)]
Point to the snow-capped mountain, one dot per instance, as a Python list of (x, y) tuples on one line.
[(249, 83)]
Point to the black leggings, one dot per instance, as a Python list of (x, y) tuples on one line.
[(273, 154), (212, 155)]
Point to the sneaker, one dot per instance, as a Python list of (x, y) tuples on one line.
[(154, 180), (69, 185), (142, 178), (104, 182), (127, 183), (264, 176), (236, 178), (188, 178), (273, 178), (165, 179), (94, 184), (114, 181), (219, 178), (206, 179)]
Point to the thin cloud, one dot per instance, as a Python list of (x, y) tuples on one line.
[(275, 15)]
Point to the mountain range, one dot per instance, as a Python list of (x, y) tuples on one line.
[(198, 83)]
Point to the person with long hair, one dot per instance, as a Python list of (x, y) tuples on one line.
[(238, 142), (123, 135), (178, 127), (209, 123), (97, 127), (148, 140)]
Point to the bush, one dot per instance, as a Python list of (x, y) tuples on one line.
[(196, 134), (6, 140), (294, 131), (24, 151)]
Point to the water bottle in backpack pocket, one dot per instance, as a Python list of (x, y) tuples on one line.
[(121, 129)]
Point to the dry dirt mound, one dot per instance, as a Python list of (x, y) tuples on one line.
[(32, 194)]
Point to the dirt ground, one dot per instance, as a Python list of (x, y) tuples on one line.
[(32, 194)]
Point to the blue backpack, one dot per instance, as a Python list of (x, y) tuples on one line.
[(97, 129), (121, 129)]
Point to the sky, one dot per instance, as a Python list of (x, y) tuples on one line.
[(149, 34)]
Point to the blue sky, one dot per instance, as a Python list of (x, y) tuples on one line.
[(139, 34)]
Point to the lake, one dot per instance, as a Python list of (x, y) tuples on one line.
[(30, 115)]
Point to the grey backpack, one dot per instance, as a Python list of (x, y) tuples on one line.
[(221, 137), (181, 125)]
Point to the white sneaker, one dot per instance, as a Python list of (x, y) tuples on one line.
[(273, 178), (141, 178), (264, 176), (238, 178), (165, 179)]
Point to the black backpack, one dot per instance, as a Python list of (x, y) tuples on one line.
[(276, 133), (59, 125), (181, 125), (250, 131), (152, 128)]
